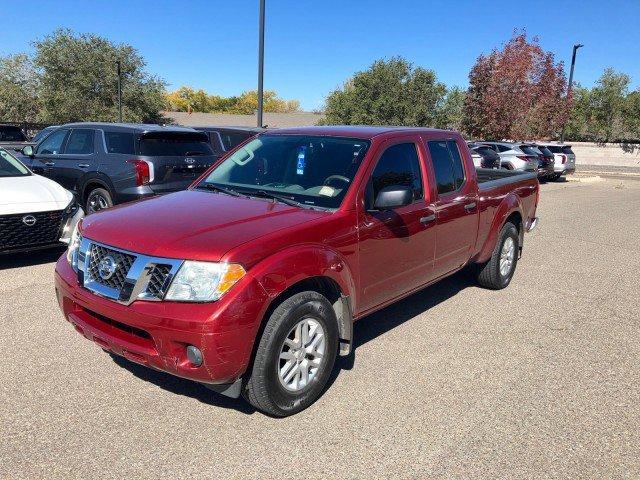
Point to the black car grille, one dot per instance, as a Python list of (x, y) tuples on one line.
[(21, 231), (123, 262), (157, 280)]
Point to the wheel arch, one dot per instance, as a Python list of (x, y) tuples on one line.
[(93, 181), (510, 210)]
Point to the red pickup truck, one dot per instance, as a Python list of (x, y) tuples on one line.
[(250, 281)]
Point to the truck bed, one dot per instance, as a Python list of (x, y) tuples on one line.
[(490, 178)]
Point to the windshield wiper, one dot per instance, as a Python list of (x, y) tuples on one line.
[(217, 188), (280, 198)]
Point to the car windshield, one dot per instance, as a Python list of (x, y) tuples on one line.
[(11, 166), (310, 170), (41, 134), (171, 144), (10, 133)]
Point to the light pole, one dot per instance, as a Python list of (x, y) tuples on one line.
[(260, 63), (570, 86), (119, 70)]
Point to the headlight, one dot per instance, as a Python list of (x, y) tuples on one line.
[(72, 249), (203, 281)]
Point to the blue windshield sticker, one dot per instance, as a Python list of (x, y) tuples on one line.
[(301, 161)]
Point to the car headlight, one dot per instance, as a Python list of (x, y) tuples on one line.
[(203, 281), (74, 244)]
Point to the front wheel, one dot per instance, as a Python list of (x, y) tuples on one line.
[(498, 271), (295, 355)]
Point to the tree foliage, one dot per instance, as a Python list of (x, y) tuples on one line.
[(516, 92), (607, 112), (390, 92), (187, 99), (73, 78), (19, 84)]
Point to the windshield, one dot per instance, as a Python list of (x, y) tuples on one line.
[(11, 134), (169, 144), (311, 170), (41, 134), (10, 166)]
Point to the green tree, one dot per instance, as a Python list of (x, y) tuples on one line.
[(186, 98), (79, 80), (390, 92), (451, 113), (19, 85)]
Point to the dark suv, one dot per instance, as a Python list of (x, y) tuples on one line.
[(223, 139), (107, 163)]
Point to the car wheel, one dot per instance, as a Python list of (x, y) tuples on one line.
[(498, 271), (98, 199), (556, 177), (295, 355)]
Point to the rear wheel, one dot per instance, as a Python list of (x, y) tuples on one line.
[(98, 199), (295, 355), (498, 271)]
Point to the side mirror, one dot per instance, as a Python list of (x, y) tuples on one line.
[(393, 196), (28, 151)]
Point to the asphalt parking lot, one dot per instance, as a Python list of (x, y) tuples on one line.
[(541, 380)]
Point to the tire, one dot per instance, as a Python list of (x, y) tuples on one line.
[(490, 275), (556, 177), (98, 199), (265, 389)]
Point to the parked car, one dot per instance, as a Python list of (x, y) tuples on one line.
[(484, 156), (513, 156), (35, 212), (107, 163), (565, 159), (224, 139), (43, 133), (249, 281), (12, 137), (545, 162)]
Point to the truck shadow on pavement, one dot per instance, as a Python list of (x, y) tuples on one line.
[(28, 259), (365, 330)]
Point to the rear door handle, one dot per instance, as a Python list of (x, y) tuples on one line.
[(83, 165), (427, 219), (50, 164), (470, 206)]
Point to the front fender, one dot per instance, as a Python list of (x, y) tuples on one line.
[(510, 204)]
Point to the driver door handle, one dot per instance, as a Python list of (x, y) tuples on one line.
[(470, 206)]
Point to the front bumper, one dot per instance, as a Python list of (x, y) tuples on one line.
[(156, 334)]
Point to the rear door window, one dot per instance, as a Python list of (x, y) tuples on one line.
[(120, 142), (231, 140), (80, 142), (458, 169), (174, 145), (53, 144), (398, 165), (442, 166)]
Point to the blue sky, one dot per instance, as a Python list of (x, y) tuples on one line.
[(312, 46)]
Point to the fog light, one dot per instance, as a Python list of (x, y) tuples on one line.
[(194, 355)]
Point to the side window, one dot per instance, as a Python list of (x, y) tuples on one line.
[(80, 142), (458, 168), (442, 166), (52, 145), (398, 165), (120, 142), (503, 148)]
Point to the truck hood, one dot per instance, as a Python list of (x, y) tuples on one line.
[(31, 193), (192, 225)]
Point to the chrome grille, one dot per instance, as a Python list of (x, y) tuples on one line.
[(135, 277), (123, 262)]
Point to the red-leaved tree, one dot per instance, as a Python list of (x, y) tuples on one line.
[(516, 93)]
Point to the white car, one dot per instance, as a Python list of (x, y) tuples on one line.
[(565, 159), (516, 156), (35, 212)]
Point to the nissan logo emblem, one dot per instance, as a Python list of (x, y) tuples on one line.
[(29, 220), (107, 267), (189, 160)]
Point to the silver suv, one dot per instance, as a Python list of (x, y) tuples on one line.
[(565, 159), (515, 156)]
